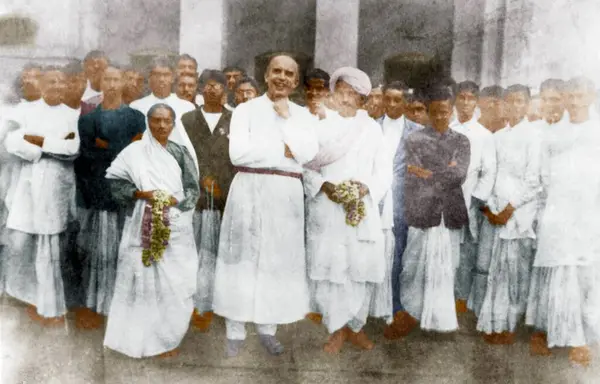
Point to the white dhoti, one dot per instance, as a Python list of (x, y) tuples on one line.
[(508, 285), (152, 306), (260, 274), (344, 304), (207, 225), (381, 302), (98, 240), (487, 236), (427, 279)]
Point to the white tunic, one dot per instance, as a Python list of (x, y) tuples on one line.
[(338, 251), (180, 106), (392, 133), (91, 94), (570, 224), (481, 173), (45, 184), (518, 178), (261, 269)]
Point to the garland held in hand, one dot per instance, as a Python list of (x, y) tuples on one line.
[(348, 194), (155, 228)]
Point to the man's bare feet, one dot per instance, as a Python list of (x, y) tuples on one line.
[(316, 318), (202, 322), (336, 341), (580, 356), (171, 353), (360, 340), (44, 321), (538, 345), (402, 325), (87, 319), (461, 306)]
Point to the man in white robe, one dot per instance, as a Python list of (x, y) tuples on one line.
[(94, 63), (477, 187), (47, 141), (564, 299), (161, 83), (346, 262), (511, 212), (260, 274)]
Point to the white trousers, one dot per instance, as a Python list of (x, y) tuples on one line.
[(236, 330)]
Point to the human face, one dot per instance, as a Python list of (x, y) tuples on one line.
[(492, 108), (374, 105), (440, 113), (244, 93), (578, 102), (112, 83), (53, 87), (187, 68), (347, 99), (161, 125), (517, 104), (316, 93), (232, 78), (74, 88), (552, 105), (417, 112), (133, 84), (187, 86), (281, 77), (213, 92), (393, 101), (161, 81), (466, 102), (30, 84), (94, 68)]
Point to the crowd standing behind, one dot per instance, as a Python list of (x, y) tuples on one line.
[(152, 212)]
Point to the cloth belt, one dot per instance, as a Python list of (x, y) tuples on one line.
[(264, 171)]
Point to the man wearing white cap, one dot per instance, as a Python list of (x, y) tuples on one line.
[(345, 183)]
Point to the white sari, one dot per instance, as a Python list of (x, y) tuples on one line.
[(151, 308)]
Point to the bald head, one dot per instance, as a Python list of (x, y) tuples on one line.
[(281, 76)]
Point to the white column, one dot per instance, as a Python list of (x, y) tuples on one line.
[(91, 13), (493, 34), (201, 31), (468, 27), (336, 40)]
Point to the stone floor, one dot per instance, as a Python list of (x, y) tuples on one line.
[(31, 354)]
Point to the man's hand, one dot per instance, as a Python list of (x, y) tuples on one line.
[(70, 136), (144, 195), (288, 153), (210, 185), (321, 113), (137, 137), (282, 108), (102, 144), (492, 218), (419, 172), (329, 189), (35, 140), (453, 163), (174, 201), (506, 214)]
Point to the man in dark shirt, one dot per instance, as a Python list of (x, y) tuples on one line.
[(437, 159)]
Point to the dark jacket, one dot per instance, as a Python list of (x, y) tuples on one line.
[(426, 200), (212, 150)]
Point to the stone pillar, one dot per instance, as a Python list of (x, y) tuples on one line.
[(493, 42), (336, 40), (201, 31), (468, 39), (91, 15)]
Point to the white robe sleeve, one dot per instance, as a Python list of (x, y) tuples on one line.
[(249, 150), (16, 144), (487, 174), (301, 137), (380, 180), (61, 146), (531, 178)]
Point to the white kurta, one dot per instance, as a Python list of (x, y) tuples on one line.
[(392, 133), (181, 107), (91, 96), (260, 275), (345, 259)]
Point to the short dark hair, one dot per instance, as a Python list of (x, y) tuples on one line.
[(319, 74), (185, 56), (398, 85), (213, 74), (554, 84), (160, 62), (73, 67), (515, 88), (468, 86), (158, 106), (245, 80), (580, 82), (95, 54), (494, 91), (415, 95), (439, 93), (233, 68)]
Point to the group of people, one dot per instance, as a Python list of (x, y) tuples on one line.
[(411, 205)]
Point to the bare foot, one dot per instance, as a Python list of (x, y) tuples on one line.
[(507, 338), (316, 318), (491, 338), (202, 322), (87, 319), (538, 345), (461, 306), (360, 340), (402, 325), (580, 356), (171, 353), (336, 341)]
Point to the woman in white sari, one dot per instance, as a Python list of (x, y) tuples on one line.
[(152, 305)]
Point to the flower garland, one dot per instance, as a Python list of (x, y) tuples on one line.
[(348, 194), (155, 228)]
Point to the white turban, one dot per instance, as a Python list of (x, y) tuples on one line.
[(356, 78)]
